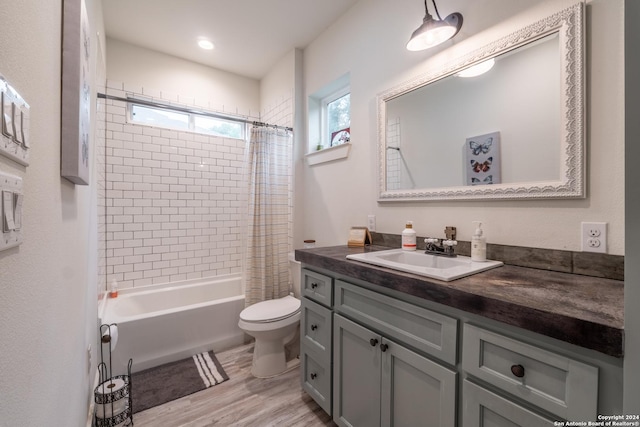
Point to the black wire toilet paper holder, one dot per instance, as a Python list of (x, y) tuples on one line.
[(108, 380)]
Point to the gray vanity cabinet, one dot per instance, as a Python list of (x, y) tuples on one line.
[(372, 358), (378, 382)]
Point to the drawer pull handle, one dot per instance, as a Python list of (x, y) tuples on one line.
[(383, 347), (314, 327), (373, 342), (314, 285), (517, 370), (313, 376)]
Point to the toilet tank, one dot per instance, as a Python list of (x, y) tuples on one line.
[(295, 271)]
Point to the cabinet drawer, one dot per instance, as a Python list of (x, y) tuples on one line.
[(484, 408), (316, 380), (318, 287), (563, 386), (423, 329), (315, 327)]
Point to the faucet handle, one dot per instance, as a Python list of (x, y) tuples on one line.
[(431, 240), (449, 242)]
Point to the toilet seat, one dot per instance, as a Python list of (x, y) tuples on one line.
[(271, 310)]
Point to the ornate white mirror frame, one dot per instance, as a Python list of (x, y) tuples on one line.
[(569, 24)]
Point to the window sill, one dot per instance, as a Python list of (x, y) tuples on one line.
[(329, 154)]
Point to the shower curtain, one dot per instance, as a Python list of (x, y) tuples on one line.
[(269, 166)]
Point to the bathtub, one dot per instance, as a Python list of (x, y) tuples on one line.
[(163, 323)]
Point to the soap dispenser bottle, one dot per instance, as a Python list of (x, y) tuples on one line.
[(409, 237), (478, 244)]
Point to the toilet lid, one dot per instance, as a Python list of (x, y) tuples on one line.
[(271, 310)]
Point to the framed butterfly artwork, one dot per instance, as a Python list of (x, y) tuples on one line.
[(482, 159)]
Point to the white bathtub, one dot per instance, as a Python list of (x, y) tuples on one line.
[(163, 323)]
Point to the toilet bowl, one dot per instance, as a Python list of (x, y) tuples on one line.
[(273, 324)]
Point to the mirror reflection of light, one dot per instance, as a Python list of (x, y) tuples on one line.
[(478, 69)]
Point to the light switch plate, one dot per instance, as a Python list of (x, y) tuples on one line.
[(11, 187), (14, 124)]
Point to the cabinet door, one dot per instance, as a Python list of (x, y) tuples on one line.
[(317, 286), (415, 390), (559, 384), (483, 408), (315, 327), (356, 374), (316, 379)]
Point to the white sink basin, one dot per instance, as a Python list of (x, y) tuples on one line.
[(433, 266)]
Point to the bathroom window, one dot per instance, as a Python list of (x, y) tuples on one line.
[(159, 117), (330, 115), (218, 127), (336, 113), (171, 119)]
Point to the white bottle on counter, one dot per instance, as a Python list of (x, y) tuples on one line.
[(478, 244), (409, 237)]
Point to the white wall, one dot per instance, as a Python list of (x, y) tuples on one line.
[(369, 43), (48, 293), (208, 87)]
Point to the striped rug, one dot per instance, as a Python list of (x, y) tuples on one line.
[(162, 384)]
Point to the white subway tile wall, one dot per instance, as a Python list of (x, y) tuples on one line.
[(101, 178), (281, 113), (394, 160), (172, 202)]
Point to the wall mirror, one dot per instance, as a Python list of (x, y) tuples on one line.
[(514, 132)]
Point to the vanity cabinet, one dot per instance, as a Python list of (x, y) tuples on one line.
[(378, 382), (316, 337), (372, 356)]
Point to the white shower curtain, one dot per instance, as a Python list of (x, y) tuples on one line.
[(269, 214)]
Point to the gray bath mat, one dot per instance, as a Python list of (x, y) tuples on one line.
[(162, 384)]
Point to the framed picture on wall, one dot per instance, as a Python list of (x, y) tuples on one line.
[(482, 159), (76, 93)]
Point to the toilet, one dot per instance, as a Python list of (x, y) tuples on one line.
[(274, 324)]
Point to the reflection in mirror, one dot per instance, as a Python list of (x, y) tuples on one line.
[(432, 141), (514, 131)]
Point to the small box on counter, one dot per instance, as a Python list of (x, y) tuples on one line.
[(358, 237)]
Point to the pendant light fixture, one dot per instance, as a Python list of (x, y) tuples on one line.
[(432, 32)]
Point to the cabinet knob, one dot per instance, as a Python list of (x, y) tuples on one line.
[(383, 347), (314, 285), (517, 370), (373, 342), (313, 376), (314, 327)]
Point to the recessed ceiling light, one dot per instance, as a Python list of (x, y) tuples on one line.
[(205, 44)]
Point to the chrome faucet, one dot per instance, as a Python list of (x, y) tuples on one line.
[(445, 247)]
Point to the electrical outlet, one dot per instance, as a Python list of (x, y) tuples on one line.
[(372, 223), (594, 237)]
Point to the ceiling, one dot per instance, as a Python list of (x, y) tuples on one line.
[(250, 36)]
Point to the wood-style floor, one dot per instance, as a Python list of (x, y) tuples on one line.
[(242, 401)]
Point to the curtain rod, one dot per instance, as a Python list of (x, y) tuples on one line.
[(189, 110)]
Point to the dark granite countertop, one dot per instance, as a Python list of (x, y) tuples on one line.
[(582, 310)]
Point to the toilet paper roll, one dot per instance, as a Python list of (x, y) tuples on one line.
[(111, 390), (108, 410), (110, 335)]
